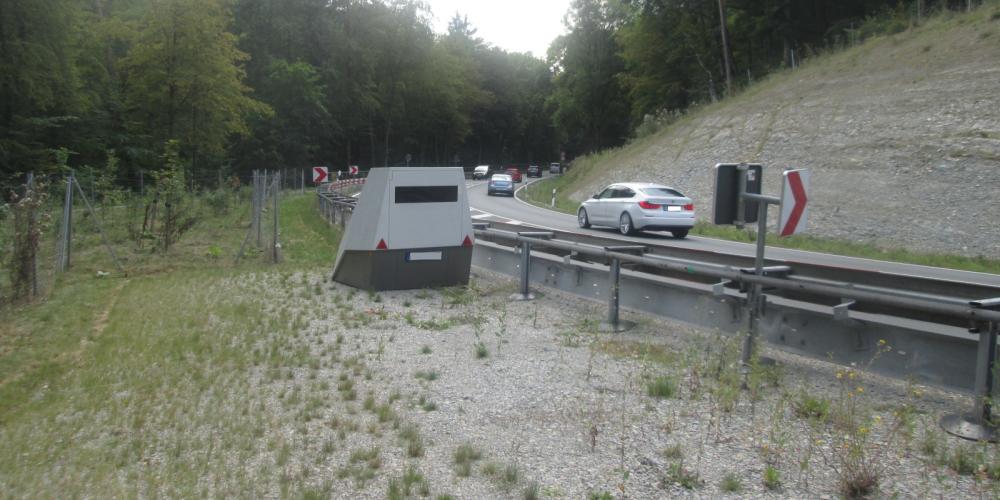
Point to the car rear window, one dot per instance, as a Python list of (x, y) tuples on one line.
[(661, 192), (426, 194)]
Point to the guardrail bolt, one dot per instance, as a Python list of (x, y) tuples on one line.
[(525, 293), (978, 425)]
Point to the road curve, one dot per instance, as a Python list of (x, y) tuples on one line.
[(505, 209)]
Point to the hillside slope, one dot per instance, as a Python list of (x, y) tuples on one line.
[(902, 135)]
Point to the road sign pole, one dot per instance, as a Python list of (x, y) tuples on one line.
[(755, 296)]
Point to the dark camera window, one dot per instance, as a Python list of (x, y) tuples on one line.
[(426, 194)]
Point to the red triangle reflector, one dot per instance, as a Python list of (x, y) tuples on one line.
[(467, 242), (381, 245)]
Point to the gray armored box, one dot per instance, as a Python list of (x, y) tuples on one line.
[(410, 229)]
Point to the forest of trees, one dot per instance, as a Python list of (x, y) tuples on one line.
[(243, 84)]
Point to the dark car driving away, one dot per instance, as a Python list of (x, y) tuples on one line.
[(534, 171)]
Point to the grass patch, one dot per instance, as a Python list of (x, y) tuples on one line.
[(810, 407), (682, 476), (661, 387), (731, 483), (772, 478), (481, 352), (851, 249), (412, 482), (464, 457), (108, 373)]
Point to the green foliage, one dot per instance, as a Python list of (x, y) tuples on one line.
[(464, 457), (772, 478), (682, 476), (811, 407), (661, 387), (731, 483), (411, 483), (188, 78)]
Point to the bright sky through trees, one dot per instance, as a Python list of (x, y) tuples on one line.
[(512, 25)]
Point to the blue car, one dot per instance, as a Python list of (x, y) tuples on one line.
[(500, 184)]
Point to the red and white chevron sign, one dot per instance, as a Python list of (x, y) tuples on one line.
[(320, 175), (352, 170), (794, 198)]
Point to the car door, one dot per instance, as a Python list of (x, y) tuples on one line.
[(618, 203), (600, 212)]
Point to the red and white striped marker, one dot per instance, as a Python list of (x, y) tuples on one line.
[(794, 200)]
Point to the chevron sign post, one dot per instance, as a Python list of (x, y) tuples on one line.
[(794, 200)]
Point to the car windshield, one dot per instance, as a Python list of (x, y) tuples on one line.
[(501, 178), (660, 191)]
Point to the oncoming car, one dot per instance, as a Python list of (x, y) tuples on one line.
[(481, 172), (633, 207), (500, 184), (534, 171)]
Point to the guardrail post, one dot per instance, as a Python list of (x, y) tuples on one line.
[(979, 425), (615, 323), (525, 292)]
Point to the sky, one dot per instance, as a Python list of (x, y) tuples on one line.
[(513, 25)]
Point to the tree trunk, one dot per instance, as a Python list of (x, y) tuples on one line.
[(725, 47)]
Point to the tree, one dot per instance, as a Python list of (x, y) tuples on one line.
[(38, 80), (590, 106), (186, 79)]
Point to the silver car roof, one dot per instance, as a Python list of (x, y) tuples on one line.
[(640, 185)]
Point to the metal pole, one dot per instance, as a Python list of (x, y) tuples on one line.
[(65, 230), (755, 295), (978, 425), (260, 205), (614, 280), (525, 293), (32, 224), (276, 246)]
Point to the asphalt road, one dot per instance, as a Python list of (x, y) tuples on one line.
[(505, 209)]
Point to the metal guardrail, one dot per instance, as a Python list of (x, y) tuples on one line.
[(961, 293), (982, 316), (840, 297)]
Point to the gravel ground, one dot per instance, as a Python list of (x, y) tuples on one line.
[(569, 409), (902, 137)]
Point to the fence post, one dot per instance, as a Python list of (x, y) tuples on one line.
[(66, 229), (276, 246), (32, 223)]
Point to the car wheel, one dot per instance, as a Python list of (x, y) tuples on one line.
[(582, 219), (625, 224), (679, 233)]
